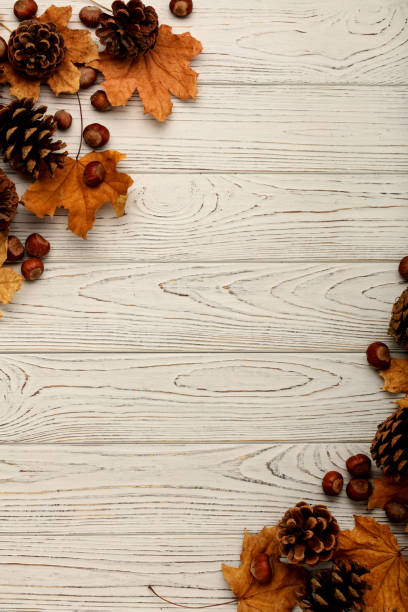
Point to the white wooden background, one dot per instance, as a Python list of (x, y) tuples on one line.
[(195, 367)]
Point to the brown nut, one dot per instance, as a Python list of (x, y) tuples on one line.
[(37, 246), (63, 119), (89, 15), (332, 483), (358, 465), (261, 568), (32, 268), (3, 49), (87, 77), (396, 512), (181, 8), (15, 249), (378, 355), (94, 174), (403, 267), (25, 9), (99, 101), (96, 135), (359, 489)]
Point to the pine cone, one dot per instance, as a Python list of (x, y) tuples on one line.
[(131, 31), (8, 201), (25, 138), (390, 445), (36, 49), (339, 589), (399, 320), (308, 534)]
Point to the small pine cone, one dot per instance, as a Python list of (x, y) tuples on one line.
[(131, 31), (36, 49), (398, 327), (339, 589), (308, 534), (389, 448), (25, 139), (8, 201)]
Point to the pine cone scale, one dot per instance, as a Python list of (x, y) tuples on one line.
[(8, 201)]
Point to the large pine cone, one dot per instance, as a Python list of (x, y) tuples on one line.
[(399, 320), (339, 589), (131, 31), (8, 201), (36, 49), (25, 138), (390, 445), (308, 534)]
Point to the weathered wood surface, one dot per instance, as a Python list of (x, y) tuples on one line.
[(190, 398)]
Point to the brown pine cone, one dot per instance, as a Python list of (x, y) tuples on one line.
[(389, 448), (339, 589), (36, 49), (308, 534), (8, 201), (131, 31), (25, 138), (398, 327)]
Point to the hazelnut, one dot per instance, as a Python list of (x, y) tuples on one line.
[(378, 355), (358, 465), (15, 249), (89, 15), (99, 100), (359, 489), (3, 49), (32, 268), (96, 135), (94, 174), (396, 512), (332, 483), (261, 569), (37, 245), (25, 9), (181, 8), (87, 77), (403, 267), (63, 119)]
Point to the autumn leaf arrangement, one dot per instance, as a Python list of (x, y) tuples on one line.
[(138, 54)]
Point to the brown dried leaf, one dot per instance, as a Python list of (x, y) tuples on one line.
[(3, 247), (387, 489), (280, 594), (396, 376), (403, 403), (375, 546), (163, 70), (10, 282), (66, 188)]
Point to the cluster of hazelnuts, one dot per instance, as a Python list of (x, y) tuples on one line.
[(36, 247)]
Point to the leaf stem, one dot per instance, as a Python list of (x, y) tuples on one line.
[(173, 603), (82, 126), (6, 27), (105, 8)]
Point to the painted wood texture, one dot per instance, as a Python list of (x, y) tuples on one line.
[(257, 217), (208, 307), (191, 398)]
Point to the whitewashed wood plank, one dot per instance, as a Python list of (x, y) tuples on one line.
[(190, 489), (174, 217), (194, 398), (209, 307), (321, 41)]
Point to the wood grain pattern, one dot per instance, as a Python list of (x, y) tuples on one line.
[(242, 397), (174, 217), (224, 307)]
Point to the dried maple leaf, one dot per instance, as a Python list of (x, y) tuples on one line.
[(66, 188), (81, 49), (10, 282), (387, 489), (396, 376), (163, 69), (287, 582), (375, 546)]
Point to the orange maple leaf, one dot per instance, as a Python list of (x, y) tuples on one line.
[(375, 546), (287, 582), (66, 188), (387, 489), (80, 47), (10, 282), (396, 376), (163, 69)]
